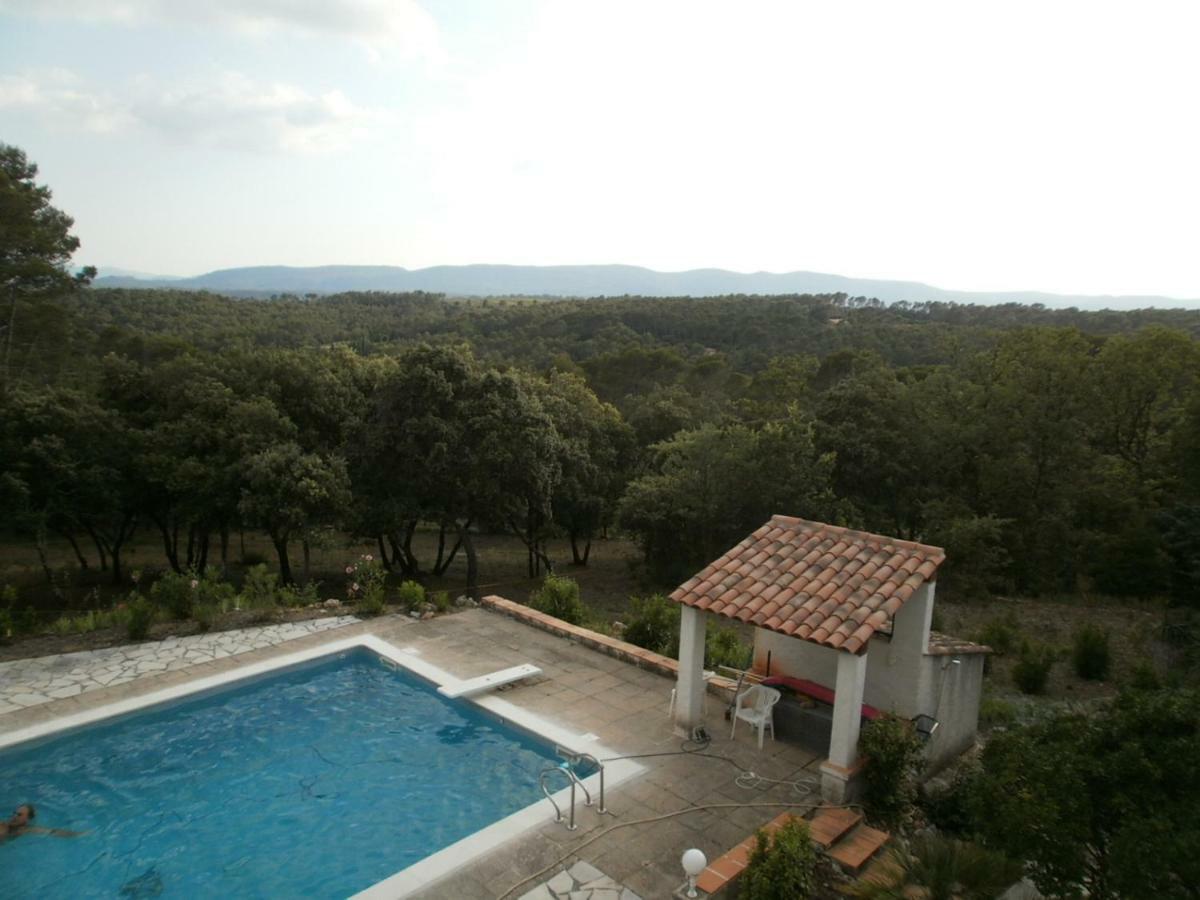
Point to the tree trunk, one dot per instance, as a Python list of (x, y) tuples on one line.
[(224, 547), (464, 538), (169, 546), (285, 569), (41, 549), (83, 563), (191, 547), (444, 564), (202, 556), (577, 558), (100, 551), (124, 532), (8, 342), (307, 556), (383, 554)]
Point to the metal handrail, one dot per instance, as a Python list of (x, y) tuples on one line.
[(550, 770), (574, 758)]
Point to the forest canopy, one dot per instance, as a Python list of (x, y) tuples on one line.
[(1047, 450)]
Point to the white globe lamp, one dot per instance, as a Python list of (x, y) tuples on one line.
[(693, 862)]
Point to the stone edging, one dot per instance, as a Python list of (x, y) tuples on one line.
[(622, 650)]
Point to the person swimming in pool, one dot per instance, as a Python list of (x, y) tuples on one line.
[(18, 824)]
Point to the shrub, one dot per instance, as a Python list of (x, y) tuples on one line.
[(441, 600), (260, 587), (782, 865), (937, 867), (1090, 653), (1033, 668), (1144, 677), (370, 602), (410, 595), (366, 577), (559, 597), (205, 614), (1001, 633), (212, 590), (653, 624), (141, 616), (174, 594), (723, 647), (893, 751), (294, 595), (6, 624), (994, 711), (949, 808)]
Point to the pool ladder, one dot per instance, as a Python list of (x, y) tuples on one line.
[(567, 767)]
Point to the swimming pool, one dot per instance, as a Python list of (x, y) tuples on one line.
[(320, 780)]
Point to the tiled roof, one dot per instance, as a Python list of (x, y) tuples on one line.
[(821, 583)]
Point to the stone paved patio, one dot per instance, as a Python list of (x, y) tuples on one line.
[(29, 682), (681, 799)]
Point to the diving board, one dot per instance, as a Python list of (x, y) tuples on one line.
[(488, 682)]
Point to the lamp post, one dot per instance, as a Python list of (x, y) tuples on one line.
[(693, 862)]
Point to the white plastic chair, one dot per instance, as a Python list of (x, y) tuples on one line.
[(754, 705)]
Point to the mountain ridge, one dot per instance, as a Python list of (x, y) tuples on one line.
[(483, 279)]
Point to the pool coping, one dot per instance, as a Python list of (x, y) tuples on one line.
[(422, 874)]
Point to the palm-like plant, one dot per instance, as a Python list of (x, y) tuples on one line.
[(936, 868)]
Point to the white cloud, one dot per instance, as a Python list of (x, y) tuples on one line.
[(385, 28), (232, 113), (60, 96)]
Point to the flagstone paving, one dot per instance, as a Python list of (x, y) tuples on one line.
[(30, 682)]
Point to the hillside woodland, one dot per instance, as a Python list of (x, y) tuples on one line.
[(1054, 453)]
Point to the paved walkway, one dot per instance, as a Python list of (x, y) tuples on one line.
[(29, 682)]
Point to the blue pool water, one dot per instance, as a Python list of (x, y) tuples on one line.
[(316, 782)]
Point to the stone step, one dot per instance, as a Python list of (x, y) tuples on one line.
[(855, 849), (830, 823)]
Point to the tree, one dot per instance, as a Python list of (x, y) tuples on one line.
[(289, 493), (1101, 803), (36, 243)]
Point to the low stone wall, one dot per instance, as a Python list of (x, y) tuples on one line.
[(622, 650)]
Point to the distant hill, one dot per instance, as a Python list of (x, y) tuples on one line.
[(597, 281)]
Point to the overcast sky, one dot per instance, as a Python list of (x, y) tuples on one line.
[(1047, 145)]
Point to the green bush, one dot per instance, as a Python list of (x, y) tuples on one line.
[(205, 614), (782, 866), (1090, 653), (559, 597), (1144, 677), (441, 601), (994, 711), (1032, 670), (410, 595), (1001, 633), (370, 602), (893, 752), (949, 808), (260, 588), (6, 624), (723, 647), (938, 867), (653, 624), (141, 616), (174, 594), (295, 595)]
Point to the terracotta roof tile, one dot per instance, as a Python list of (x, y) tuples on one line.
[(822, 583)]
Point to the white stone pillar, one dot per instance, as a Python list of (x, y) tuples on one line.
[(689, 688), (847, 709)]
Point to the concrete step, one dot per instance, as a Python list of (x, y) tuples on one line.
[(855, 849), (830, 823)]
